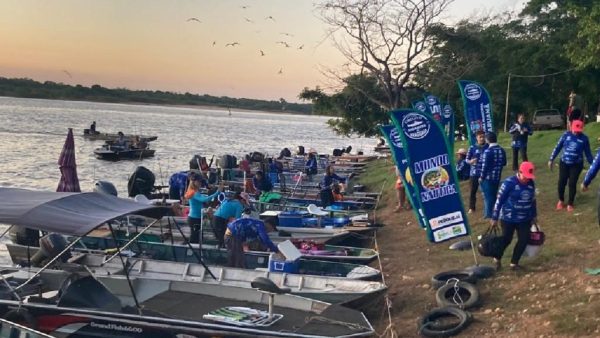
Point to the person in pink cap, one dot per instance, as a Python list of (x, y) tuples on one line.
[(574, 144), (516, 209)]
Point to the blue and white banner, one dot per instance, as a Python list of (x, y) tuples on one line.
[(435, 107), (433, 173), (391, 136), (421, 106), (448, 122), (478, 108)]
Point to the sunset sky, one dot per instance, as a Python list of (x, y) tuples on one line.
[(149, 44)]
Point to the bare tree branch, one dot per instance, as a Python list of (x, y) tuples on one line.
[(389, 39)]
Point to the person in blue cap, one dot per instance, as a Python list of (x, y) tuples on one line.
[(493, 161)]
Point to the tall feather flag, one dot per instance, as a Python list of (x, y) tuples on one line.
[(478, 108), (433, 173), (390, 134)]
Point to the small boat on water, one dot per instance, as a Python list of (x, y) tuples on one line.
[(109, 152), (93, 136), (79, 304)]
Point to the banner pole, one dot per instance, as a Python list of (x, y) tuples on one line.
[(506, 105), (473, 250)]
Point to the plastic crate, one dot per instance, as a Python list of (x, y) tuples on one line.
[(279, 264)]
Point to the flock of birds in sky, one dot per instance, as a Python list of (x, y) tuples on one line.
[(262, 53)]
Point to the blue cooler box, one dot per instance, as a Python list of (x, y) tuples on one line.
[(292, 219), (277, 263)]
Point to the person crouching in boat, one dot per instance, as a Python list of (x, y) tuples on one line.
[(230, 209), (196, 200), (241, 231), (327, 183), (263, 187)]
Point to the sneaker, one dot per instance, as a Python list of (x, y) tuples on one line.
[(559, 205), (516, 267), (570, 208)]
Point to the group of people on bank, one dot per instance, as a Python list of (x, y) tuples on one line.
[(511, 203)]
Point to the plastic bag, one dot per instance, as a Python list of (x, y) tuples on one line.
[(535, 243)]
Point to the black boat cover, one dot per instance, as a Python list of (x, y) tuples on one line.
[(68, 213)]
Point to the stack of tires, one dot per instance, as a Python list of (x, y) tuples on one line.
[(455, 293)]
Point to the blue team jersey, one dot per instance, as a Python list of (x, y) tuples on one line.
[(574, 146), (520, 134), (589, 176), (494, 160), (515, 202), (230, 208), (246, 229), (475, 152)]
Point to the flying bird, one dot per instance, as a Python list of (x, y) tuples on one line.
[(233, 44), (270, 17), (280, 71), (301, 47), (286, 34), (262, 53), (245, 7), (283, 43), (193, 19), (214, 43), (248, 20), (68, 74)]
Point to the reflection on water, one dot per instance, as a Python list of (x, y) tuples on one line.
[(32, 133)]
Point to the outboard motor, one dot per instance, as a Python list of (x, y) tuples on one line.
[(24, 236), (105, 187), (141, 182), (51, 246)]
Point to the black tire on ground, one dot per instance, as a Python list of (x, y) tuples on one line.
[(469, 294), (429, 328), (463, 275)]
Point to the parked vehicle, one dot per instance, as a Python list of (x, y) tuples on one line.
[(547, 119)]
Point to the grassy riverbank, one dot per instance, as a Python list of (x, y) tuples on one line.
[(551, 297)]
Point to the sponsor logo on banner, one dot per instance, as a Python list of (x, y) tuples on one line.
[(472, 91), (435, 178), (444, 220), (395, 138), (415, 126), (431, 100), (447, 112), (476, 126), (420, 106), (449, 232)]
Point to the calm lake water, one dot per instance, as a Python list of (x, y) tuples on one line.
[(32, 133)]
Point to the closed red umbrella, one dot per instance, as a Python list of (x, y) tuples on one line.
[(68, 168)]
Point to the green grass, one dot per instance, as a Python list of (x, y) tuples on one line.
[(571, 238)]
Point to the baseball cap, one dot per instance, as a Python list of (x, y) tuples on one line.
[(527, 170), (577, 126)]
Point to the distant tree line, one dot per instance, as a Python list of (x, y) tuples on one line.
[(28, 88)]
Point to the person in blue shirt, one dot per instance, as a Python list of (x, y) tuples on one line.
[(196, 202), (230, 208), (589, 176), (463, 168), (574, 145), (516, 209), (242, 230), (329, 179), (493, 161), (520, 132), (473, 158), (311, 166)]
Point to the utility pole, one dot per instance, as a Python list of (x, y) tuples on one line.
[(506, 105)]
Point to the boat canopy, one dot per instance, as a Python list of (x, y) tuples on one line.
[(68, 213)]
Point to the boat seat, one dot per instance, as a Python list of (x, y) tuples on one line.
[(266, 285), (315, 210)]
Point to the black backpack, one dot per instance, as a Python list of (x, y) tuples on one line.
[(490, 244)]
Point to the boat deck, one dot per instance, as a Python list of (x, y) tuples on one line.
[(186, 306)]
